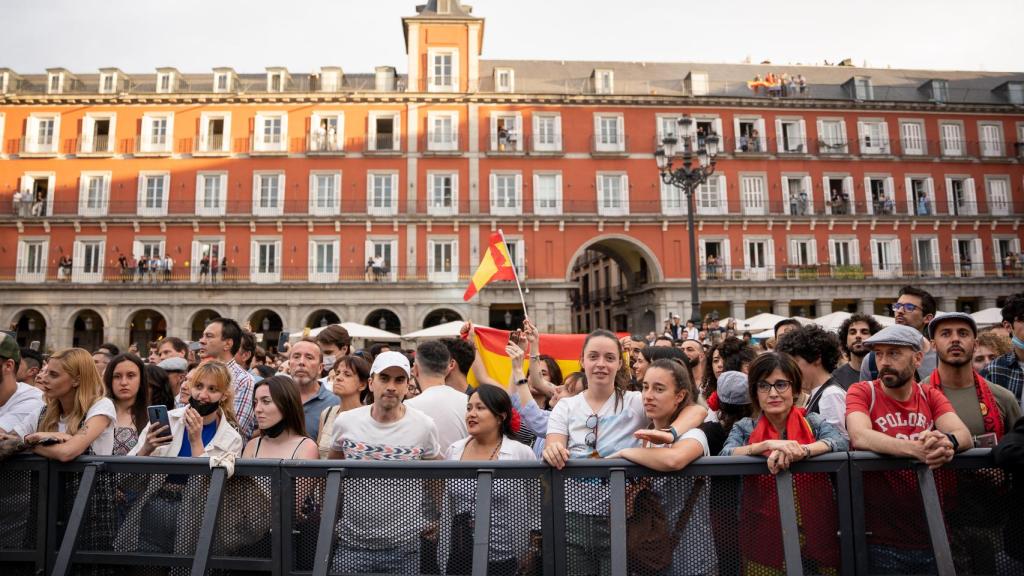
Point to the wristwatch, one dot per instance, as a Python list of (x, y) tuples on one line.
[(671, 430), (522, 381), (954, 441)]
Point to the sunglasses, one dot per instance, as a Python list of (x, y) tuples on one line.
[(779, 385), (591, 438), (896, 307)]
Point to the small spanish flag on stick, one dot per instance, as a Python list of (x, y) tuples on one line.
[(496, 264)]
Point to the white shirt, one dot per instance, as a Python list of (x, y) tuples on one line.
[(20, 414), (447, 406), (832, 407), (103, 445)]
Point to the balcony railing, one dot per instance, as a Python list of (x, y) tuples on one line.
[(506, 142), (549, 144), (831, 272), (282, 516), (382, 144), (152, 145), (95, 146), (262, 145), (325, 144), (30, 146), (604, 146), (212, 145)]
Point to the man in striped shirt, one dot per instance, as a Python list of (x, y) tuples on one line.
[(1007, 370), (221, 340)]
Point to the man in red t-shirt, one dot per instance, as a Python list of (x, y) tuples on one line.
[(895, 415)]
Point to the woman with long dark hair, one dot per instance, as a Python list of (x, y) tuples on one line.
[(491, 426), (159, 387), (350, 381), (281, 422), (125, 380)]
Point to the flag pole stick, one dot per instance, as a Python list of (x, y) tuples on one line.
[(515, 274)]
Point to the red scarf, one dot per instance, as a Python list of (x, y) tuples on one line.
[(816, 517), (990, 414)]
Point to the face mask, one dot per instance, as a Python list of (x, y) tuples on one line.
[(329, 362), (274, 431), (1017, 342), (203, 408)]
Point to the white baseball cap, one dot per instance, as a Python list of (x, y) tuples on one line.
[(390, 359)]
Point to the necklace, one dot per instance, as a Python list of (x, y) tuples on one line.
[(494, 453)]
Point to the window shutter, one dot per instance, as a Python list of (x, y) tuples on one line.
[(493, 190), (803, 138), (141, 194), (949, 195), (911, 207), (336, 206), (312, 273), (703, 255), (812, 251), (518, 133), (874, 258), (936, 258), (972, 197), (862, 134), (794, 252), (88, 124), (868, 200), (83, 194), (723, 195), (809, 188), (600, 193), (519, 194), (336, 254), (313, 192), (929, 186), (430, 258), (256, 205), (848, 189), (897, 259), (883, 128), (621, 132), (78, 257), (827, 194), (597, 131), (770, 260), (736, 133), (956, 256), (494, 131), (394, 193), (977, 258), (558, 193), (23, 265), (785, 194), (779, 147), (890, 191), (623, 199), (822, 137), (762, 134), (727, 253), (558, 132)]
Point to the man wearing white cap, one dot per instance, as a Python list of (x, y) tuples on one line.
[(377, 536)]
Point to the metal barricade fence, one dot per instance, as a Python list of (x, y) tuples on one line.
[(722, 515)]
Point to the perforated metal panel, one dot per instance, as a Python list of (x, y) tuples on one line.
[(683, 541), (19, 509), (983, 520), (244, 518), (817, 519), (587, 535), (897, 533)]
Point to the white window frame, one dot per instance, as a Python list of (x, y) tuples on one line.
[(226, 76), (602, 140), (888, 188), (333, 207), (326, 276), (935, 270), (113, 76), (324, 141), (27, 183), (143, 192), (517, 250), (724, 262), (60, 77), (435, 208), (673, 199), (895, 268), (766, 270), (281, 76), (998, 206), (197, 256), (221, 208), (450, 275), (446, 140), (147, 142), (929, 189), (139, 247), (939, 90), (604, 81), (515, 134), (392, 244), (848, 189), (171, 82), (878, 146), (383, 210), (88, 143), (953, 147), (540, 209), (432, 79), (204, 131), (759, 125), (503, 209), (752, 201), (827, 144), (265, 277), (604, 206), (78, 271), (863, 88), (977, 256), (508, 83), (32, 141), (854, 251), (788, 204), (997, 255), (260, 142), (970, 195), (800, 146), (991, 146), (84, 209), (910, 144), (793, 257), (705, 192), (371, 132), (25, 274), (257, 181), (556, 135)]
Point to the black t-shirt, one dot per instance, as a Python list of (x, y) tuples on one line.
[(846, 376), (716, 436)]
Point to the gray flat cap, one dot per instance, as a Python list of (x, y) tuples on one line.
[(732, 388), (896, 335), (940, 318), (174, 365)]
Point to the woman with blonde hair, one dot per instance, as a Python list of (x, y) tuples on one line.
[(78, 417)]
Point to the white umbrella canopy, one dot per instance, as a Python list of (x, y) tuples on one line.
[(988, 317), (832, 321), (446, 330), (884, 320), (355, 330), (760, 322), (770, 333)]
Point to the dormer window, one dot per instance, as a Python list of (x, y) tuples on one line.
[(384, 79), (939, 91), (277, 79), (604, 82), (697, 83), (444, 6), (222, 82), (275, 82), (1015, 92), (111, 80), (55, 83), (330, 79), (862, 88), (4, 80), (444, 70), (166, 81), (504, 80)]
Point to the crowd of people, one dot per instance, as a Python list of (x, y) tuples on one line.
[(926, 388), (779, 85)]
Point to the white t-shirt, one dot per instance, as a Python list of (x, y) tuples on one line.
[(103, 445), (359, 437), (20, 414), (832, 407), (447, 406)]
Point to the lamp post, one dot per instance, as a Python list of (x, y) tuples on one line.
[(688, 177)]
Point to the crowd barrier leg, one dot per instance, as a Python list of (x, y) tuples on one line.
[(207, 531), (788, 523), (329, 516), (67, 547), (617, 521), (549, 513), (482, 526), (856, 507), (846, 532), (936, 523)]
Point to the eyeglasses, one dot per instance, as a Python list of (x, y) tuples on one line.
[(591, 439), (779, 385), (897, 306)]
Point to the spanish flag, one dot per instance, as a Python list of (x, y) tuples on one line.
[(495, 265), (566, 349)]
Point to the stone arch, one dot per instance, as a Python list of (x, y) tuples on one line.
[(629, 253), (29, 325), (198, 321), (269, 323), (321, 317), (393, 320), (440, 316), (86, 326), (146, 325)]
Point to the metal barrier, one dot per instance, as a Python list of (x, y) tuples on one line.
[(292, 517)]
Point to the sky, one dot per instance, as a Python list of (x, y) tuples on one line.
[(302, 35)]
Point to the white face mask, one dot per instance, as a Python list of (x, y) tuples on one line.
[(329, 362)]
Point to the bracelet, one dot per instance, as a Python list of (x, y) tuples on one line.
[(807, 451), (534, 356), (671, 430), (522, 381)]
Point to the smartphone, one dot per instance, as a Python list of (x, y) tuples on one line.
[(282, 341), (158, 416), (194, 346), (49, 441), (34, 346)]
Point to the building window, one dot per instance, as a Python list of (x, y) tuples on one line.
[(912, 139), (997, 194), (442, 131), (952, 139), (443, 73), (612, 194), (215, 132), (209, 262), (327, 132), (797, 196), (32, 255), (94, 193), (880, 197), (108, 83), (673, 200), (1007, 255), (874, 136), (222, 82), (504, 80), (97, 134), (750, 135), (506, 132), (381, 259), (157, 132), (330, 80), (885, 258), (153, 187), (443, 193), (517, 253), (266, 261), (1015, 92), (609, 133), (715, 258), (838, 194), (271, 131), (56, 83), (383, 190), (325, 193), (926, 253), (961, 196), (323, 260), (384, 132), (843, 252), (698, 83), (760, 259), (832, 137), (991, 135), (803, 252), (165, 82), (210, 190), (87, 260), (547, 193), (506, 193), (790, 136), (268, 193), (862, 88), (754, 195), (940, 90), (604, 82), (442, 260), (967, 257), (547, 133), (42, 134), (920, 195), (711, 198)]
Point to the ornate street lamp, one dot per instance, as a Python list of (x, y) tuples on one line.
[(687, 177)]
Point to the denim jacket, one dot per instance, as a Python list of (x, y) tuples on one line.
[(823, 431)]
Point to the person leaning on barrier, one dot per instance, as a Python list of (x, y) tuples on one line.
[(899, 417), (20, 403), (1009, 454), (491, 424), (281, 424), (596, 423), (125, 383), (732, 405), (785, 434), (350, 382)]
